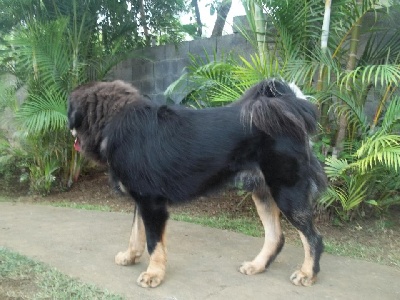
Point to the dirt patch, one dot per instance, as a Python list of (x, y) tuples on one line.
[(20, 288), (381, 233)]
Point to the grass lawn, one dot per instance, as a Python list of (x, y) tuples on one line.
[(24, 278)]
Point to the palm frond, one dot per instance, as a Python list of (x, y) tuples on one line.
[(357, 191), (300, 19), (212, 81), (383, 47), (377, 74), (256, 69), (346, 15), (41, 49), (350, 193), (301, 71), (379, 149), (307, 67), (392, 115), (354, 112), (335, 168), (43, 112)]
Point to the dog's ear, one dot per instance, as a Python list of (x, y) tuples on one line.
[(75, 117)]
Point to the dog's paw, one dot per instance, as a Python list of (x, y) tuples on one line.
[(147, 279), (251, 268), (301, 278), (125, 258)]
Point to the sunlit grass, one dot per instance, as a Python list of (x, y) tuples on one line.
[(84, 206), (24, 278), (242, 225)]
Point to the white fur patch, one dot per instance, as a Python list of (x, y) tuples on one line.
[(73, 132), (103, 144), (122, 187), (296, 90)]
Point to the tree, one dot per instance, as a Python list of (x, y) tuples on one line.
[(53, 46), (119, 26), (222, 9), (199, 27)]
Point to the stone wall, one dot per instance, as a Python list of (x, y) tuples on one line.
[(153, 69)]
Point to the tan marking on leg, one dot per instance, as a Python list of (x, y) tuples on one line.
[(268, 212), (305, 276), (155, 272), (137, 243)]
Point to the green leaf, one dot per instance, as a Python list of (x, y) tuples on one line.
[(44, 111), (372, 202)]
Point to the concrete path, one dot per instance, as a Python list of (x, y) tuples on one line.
[(202, 262)]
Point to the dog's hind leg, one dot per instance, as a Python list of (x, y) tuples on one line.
[(137, 242), (274, 240), (295, 205), (155, 216)]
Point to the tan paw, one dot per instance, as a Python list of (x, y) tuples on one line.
[(300, 278), (147, 279), (251, 268), (125, 258)]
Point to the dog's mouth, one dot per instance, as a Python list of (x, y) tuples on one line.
[(77, 144)]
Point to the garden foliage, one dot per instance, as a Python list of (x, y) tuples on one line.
[(355, 85)]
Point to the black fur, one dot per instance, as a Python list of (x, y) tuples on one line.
[(164, 155)]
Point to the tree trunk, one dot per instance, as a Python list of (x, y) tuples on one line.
[(143, 23), (351, 63), (199, 30), (260, 24), (325, 26), (222, 13), (323, 73)]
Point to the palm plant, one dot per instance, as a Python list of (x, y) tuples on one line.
[(341, 76), (371, 147), (370, 173), (53, 55), (40, 49)]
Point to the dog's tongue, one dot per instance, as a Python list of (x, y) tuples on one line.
[(77, 145)]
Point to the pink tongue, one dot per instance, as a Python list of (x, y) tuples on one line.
[(77, 146)]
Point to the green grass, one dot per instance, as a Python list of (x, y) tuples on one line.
[(67, 204), (371, 253), (5, 199), (23, 278), (84, 206), (242, 225)]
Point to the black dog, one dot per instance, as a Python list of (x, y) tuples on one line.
[(163, 155)]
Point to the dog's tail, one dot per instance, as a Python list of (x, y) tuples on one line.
[(278, 108)]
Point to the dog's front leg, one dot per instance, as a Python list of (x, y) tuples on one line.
[(155, 216), (155, 272), (137, 242)]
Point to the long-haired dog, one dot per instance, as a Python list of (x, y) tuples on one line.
[(163, 155)]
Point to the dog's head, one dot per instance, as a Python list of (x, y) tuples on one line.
[(90, 108), (75, 118)]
